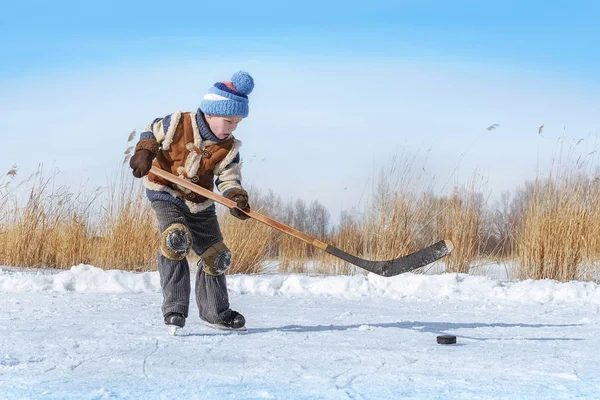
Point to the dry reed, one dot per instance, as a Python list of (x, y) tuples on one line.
[(552, 227)]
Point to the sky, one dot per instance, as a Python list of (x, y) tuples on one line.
[(342, 91)]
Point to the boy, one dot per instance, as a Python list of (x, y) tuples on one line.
[(197, 146)]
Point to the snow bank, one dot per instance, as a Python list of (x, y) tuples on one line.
[(445, 286), (86, 278), (80, 278)]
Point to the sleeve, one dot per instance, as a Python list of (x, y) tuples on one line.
[(229, 176), (148, 132), (161, 128)]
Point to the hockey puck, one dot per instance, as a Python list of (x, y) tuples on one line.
[(446, 339)]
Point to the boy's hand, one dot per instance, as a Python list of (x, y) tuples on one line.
[(241, 199), (141, 162)]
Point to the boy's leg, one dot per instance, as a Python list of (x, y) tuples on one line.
[(175, 242), (212, 297), (211, 288)]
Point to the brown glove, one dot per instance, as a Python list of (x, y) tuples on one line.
[(141, 161), (240, 196)]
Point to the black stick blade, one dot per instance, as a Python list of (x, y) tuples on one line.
[(399, 265)]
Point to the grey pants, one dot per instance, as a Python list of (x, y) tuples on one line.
[(211, 291)]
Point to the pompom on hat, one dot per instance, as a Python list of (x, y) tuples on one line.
[(229, 98)]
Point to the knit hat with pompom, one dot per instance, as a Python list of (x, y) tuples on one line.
[(229, 98)]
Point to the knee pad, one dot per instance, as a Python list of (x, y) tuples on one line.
[(176, 242), (216, 259)]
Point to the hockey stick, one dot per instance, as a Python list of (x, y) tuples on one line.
[(388, 268)]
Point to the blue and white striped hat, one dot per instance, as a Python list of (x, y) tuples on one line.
[(229, 98)]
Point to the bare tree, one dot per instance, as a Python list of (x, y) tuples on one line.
[(318, 220), (300, 215)]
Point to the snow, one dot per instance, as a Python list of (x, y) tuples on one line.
[(89, 279), (87, 333)]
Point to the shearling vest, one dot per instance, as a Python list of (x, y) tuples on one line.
[(184, 153)]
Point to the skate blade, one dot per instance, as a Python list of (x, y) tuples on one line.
[(173, 329), (224, 328)]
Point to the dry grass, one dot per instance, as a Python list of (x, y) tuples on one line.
[(560, 229), (590, 268), (389, 229), (395, 221), (460, 218), (552, 227), (558, 234), (248, 241), (53, 227), (126, 236), (50, 229), (111, 228)]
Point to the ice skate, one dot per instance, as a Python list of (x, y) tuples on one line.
[(236, 322), (174, 322)]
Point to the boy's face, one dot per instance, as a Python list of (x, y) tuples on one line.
[(222, 127)]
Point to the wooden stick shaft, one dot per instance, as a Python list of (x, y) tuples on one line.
[(231, 204)]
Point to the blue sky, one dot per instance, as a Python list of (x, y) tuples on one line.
[(560, 35), (371, 80)]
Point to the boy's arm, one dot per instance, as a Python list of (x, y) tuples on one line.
[(147, 147), (229, 183), (155, 130), (229, 177), (161, 130)]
